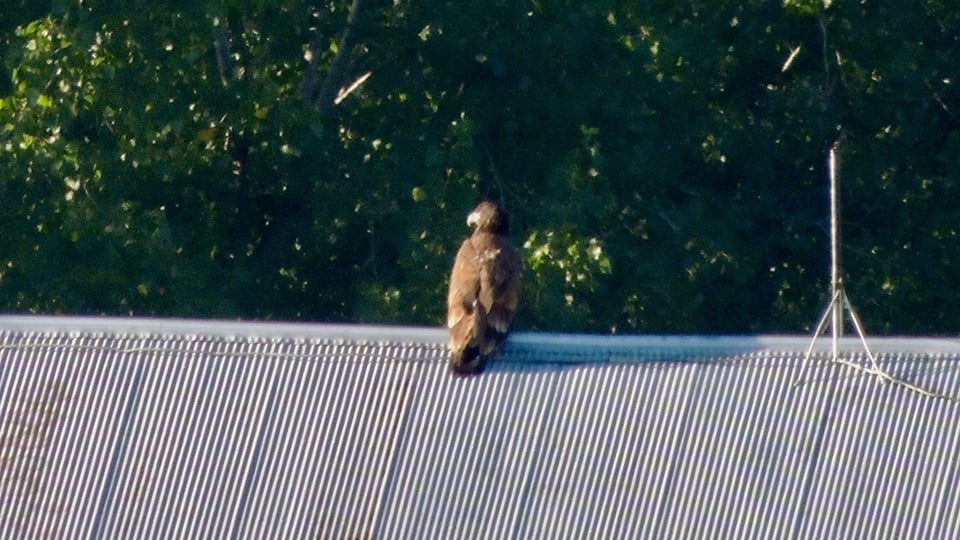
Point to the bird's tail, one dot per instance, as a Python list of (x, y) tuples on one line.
[(467, 362)]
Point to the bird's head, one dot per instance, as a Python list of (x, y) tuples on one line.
[(488, 217)]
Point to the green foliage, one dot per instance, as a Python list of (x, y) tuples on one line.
[(662, 164)]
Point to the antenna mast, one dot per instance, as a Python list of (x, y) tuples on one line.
[(838, 297), (836, 283)]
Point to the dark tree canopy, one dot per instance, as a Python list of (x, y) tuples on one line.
[(662, 164)]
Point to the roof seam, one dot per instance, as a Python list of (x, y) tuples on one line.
[(256, 459), (670, 484), (393, 463), (533, 473), (813, 460), (110, 483)]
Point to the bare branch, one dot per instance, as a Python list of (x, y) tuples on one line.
[(330, 88), (345, 92), (221, 46), (939, 100)]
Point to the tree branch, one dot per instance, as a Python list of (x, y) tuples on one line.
[(221, 46), (325, 97)]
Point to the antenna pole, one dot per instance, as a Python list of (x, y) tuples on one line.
[(838, 297), (836, 283)]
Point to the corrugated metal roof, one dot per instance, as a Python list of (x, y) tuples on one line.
[(115, 428)]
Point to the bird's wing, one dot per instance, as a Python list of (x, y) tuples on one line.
[(465, 317), (500, 281)]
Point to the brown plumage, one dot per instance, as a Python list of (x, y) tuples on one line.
[(484, 290)]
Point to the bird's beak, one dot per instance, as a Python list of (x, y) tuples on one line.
[(473, 218)]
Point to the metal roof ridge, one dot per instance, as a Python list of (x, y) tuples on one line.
[(739, 342), (690, 343), (222, 327)]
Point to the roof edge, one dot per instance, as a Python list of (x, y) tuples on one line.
[(694, 345)]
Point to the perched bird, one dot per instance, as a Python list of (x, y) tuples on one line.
[(484, 290)]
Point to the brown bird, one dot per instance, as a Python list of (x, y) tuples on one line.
[(484, 290)]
